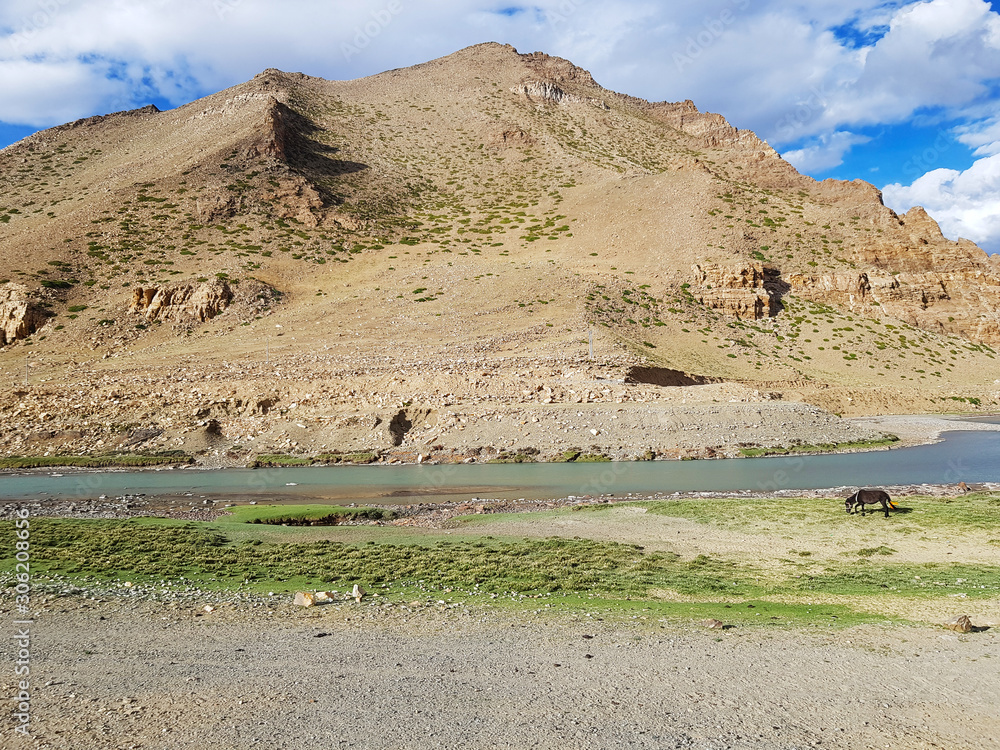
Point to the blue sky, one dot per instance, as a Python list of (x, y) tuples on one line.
[(902, 94)]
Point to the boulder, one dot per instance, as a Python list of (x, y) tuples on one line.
[(19, 316), (182, 302), (960, 624), (713, 624), (304, 599)]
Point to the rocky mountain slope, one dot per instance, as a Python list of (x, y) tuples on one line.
[(455, 233)]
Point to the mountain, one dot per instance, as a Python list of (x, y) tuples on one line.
[(452, 233)]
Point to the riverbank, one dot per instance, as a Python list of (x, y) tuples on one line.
[(584, 622), (919, 429), (809, 432), (231, 415)]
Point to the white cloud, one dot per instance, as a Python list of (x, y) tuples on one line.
[(50, 93), (965, 204), (775, 67), (983, 136), (824, 152), (936, 54)]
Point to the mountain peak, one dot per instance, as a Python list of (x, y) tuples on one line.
[(491, 200)]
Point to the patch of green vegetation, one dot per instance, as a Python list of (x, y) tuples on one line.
[(341, 516), (575, 455), (585, 572), (913, 580), (173, 549), (94, 462), (974, 511), (275, 459), (880, 550), (524, 456), (964, 399), (821, 448), (345, 458), (282, 459)]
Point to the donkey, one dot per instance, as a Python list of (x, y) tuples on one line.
[(861, 498)]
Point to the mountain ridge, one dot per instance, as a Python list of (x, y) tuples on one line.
[(488, 203)]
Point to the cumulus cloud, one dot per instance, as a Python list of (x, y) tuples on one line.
[(941, 53), (803, 75), (965, 203), (982, 136)]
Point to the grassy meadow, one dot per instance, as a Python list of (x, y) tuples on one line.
[(820, 566)]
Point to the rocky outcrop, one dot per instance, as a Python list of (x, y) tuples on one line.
[(736, 290), (510, 136), (295, 198), (182, 302), (19, 316), (960, 624), (666, 377), (149, 109), (273, 138), (187, 303), (548, 91), (915, 275)]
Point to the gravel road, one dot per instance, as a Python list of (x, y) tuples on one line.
[(117, 674)]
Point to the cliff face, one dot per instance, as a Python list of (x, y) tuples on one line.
[(917, 276), (19, 315), (182, 302), (735, 290)]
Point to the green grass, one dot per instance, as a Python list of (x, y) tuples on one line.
[(338, 517), (576, 456), (821, 448), (608, 573), (245, 551), (927, 580), (514, 458), (172, 550), (975, 511), (268, 459), (90, 462), (281, 459)]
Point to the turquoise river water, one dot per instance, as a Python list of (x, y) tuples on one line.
[(962, 456)]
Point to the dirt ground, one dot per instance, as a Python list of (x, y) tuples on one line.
[(110, 675)]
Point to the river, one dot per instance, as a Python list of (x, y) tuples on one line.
[(960, 456)]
